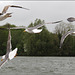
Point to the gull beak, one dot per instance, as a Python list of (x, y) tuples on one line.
[(1, 59), (24, 31)]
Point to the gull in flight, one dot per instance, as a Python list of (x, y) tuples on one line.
[(34, 29), (9, 53), (3, 16), (65, 35), (71, 19)]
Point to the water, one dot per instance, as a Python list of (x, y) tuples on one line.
[(39, 66)]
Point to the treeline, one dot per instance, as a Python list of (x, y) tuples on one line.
[(42, 44)]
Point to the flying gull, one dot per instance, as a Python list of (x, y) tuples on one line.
[(9, 53), (34, 29), (3, 16), (65, 35)]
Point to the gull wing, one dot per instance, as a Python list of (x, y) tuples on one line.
[(19, 7), (4, 61), (64, 36), (6, 8), (18, 28), (36, 27), (54, 22), (9, 46), (23, 27), (40, 25)]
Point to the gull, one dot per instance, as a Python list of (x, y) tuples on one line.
[(34, 29), (65, 35), (9, 53), (71, 19), (4, 16)]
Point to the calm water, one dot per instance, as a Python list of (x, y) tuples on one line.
[(39, 66)]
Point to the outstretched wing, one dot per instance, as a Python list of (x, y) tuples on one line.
[(23, 27), (64, 36), (9, 46), (19, 7), (36, 27), (18, 28), (56, 22), (40, 25), (6, 8), (53, 22)]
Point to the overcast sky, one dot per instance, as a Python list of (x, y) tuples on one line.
[(44, 10)]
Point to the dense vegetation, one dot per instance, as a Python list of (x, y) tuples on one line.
[(43, 44)]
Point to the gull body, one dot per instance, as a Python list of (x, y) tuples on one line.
[(9, 53), (33, 31)]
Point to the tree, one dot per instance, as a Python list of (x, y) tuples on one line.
[(63, 27)]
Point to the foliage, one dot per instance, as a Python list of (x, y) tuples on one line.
[(41, 44)]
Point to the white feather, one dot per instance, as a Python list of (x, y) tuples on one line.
[(37, 30), (12, 54)]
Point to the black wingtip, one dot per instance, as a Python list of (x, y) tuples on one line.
[(19, 7), (26, 8), (57, 22)]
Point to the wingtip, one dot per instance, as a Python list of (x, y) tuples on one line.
[(25, 8)]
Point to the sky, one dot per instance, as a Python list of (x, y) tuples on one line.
[(44, 10)]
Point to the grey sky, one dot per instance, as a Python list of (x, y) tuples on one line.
[(44, 10)]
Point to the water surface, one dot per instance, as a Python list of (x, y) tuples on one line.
[(39, 66)]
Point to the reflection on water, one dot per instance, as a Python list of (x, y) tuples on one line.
[(39, 66)]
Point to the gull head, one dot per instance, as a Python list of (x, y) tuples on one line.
[(3, 57), (26, 30), (71, 19)]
